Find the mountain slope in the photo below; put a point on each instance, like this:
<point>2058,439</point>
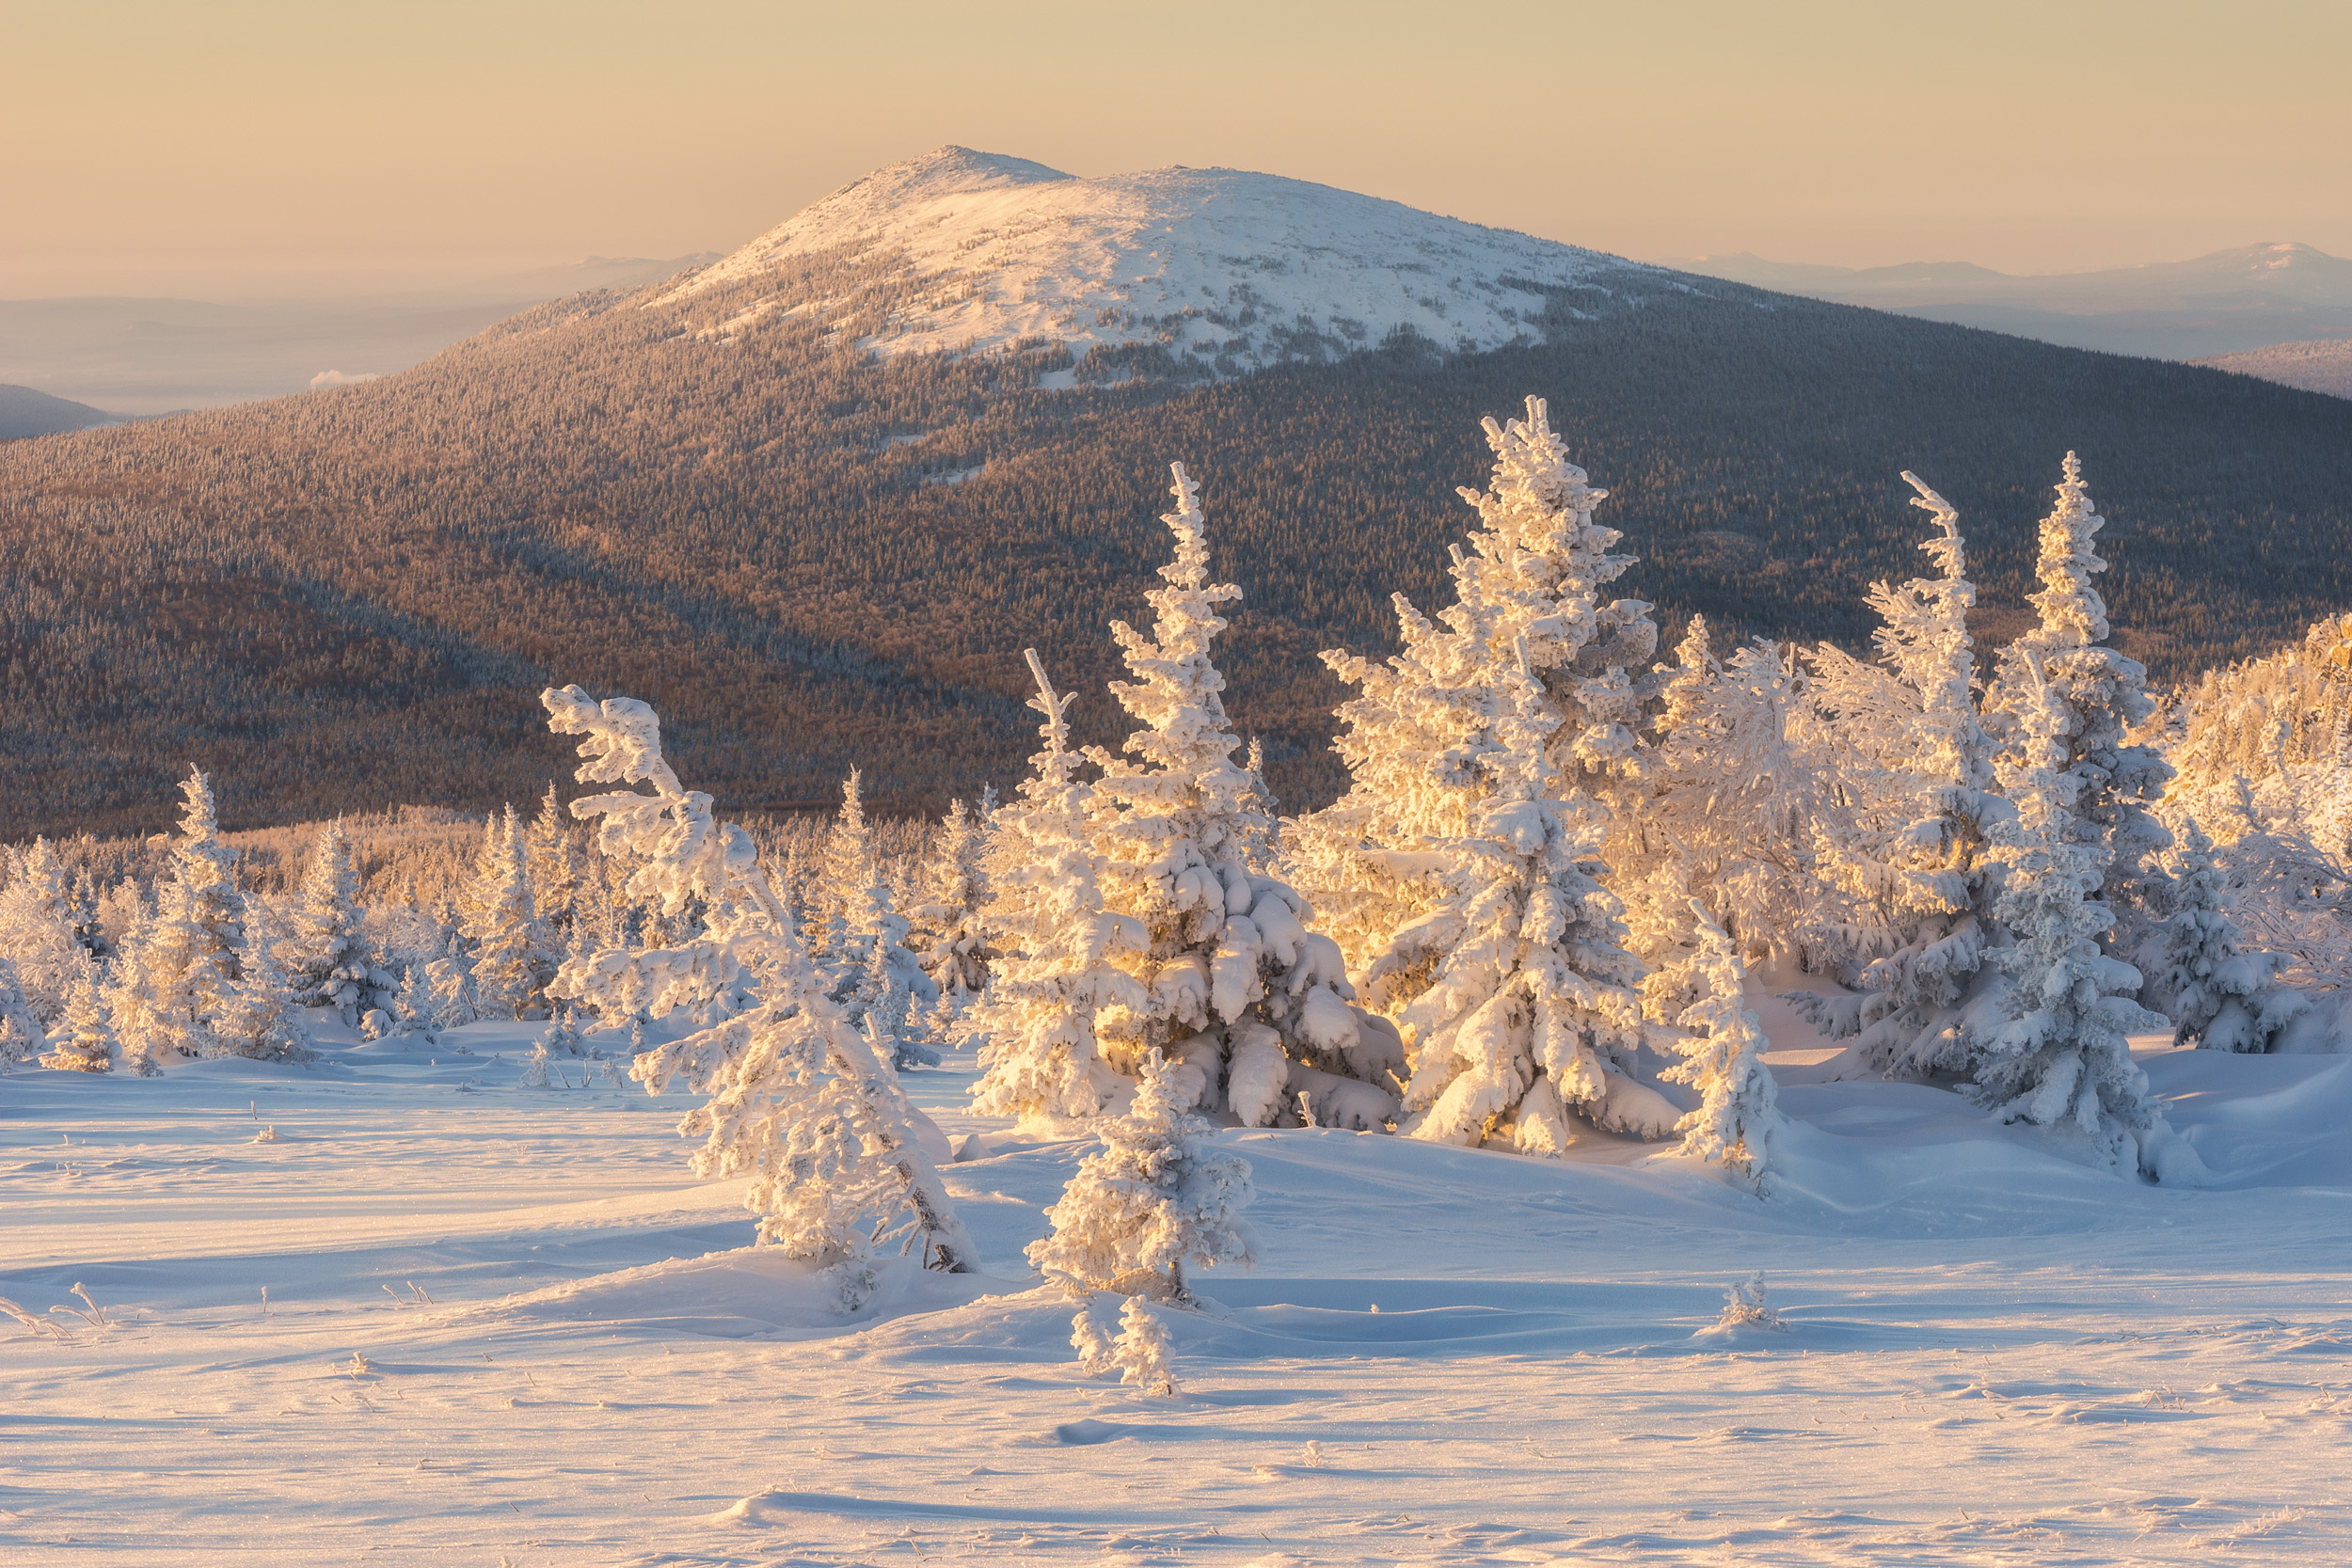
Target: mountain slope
<point>810,556</point>
<point>2325,366</point>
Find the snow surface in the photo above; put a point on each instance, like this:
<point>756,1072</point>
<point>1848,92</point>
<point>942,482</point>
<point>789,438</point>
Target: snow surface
<point>1449,1357</point>
<point>1007,249</point>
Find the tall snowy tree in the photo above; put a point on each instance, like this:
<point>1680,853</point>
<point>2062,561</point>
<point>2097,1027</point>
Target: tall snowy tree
<point>1532,1009</point>
<point>1054,975</point>
<point>19,1033</point>
<point>1532,577</point>
<point>1154,1200</point>
<point>948,920</point>
<point>1236,990</point>
<point>502,926</point>
<point>262,1017</point>
<point>2221,995</point>
<point>2105,695</point>
<point>554,872</point>
<point>322,951</point>
<point>2050,1038</point>
<point>1723,1058</point>
<point>797,1099</point>
<point>85,1041</point>
<point>40,928</point>
<point>176,978</point>
<point>1914,860</point>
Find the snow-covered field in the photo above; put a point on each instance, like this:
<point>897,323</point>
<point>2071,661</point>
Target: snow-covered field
<point>564,1355</point>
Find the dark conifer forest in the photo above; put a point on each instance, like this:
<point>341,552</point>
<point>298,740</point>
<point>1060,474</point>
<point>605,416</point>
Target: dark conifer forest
<point>808,558</point>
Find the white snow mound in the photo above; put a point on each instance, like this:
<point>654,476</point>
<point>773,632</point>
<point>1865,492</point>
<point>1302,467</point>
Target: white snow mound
<point>1003,249</point>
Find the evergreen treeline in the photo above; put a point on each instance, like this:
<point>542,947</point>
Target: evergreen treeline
<point>808,559</point>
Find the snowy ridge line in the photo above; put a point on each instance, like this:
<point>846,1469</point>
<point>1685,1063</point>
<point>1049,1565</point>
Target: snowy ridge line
<point>1230,270</point>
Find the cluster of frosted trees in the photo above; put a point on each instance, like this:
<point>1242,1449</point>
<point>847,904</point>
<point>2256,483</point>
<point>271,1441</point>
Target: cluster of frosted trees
<point>1533,915</point>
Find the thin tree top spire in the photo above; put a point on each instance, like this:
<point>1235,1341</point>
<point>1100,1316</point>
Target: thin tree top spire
<point>1947,548</point>
<point>2073,614</point>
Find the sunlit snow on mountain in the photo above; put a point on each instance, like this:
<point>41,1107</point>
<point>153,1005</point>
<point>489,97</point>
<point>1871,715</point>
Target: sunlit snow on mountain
<point>1235,269</point>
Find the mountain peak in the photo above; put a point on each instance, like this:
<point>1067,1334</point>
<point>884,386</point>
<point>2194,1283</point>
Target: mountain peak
<point>1225,270</point>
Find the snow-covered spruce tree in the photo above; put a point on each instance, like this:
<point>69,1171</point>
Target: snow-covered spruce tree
<point>175,979</point>
<point>264,1017</point>
<point>1912,860</point>
<point>449,984</point>
<point>40,928</point>
<point>86,1037</point>
<point>19,1033</point>
<point>798,1099</point>
<point>2049,1036</point>
<point>1236,990</point>
<point>2220,995</point>
<point>2104,695</point>
<point>842,890</point>
<point>323,952</point>
<point>1373,861</point>
<point>1532,1009</point>
<point>1723,1058</point>
<point>1152,1202</point>
<point>1054,974</point>
<point>1532,576</point>
<point>948,921</point>
<point>1736,801</point>
<point>503,927</point>
<point>554,871</point>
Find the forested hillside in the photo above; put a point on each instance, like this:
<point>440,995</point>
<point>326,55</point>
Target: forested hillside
<point>809,558</point>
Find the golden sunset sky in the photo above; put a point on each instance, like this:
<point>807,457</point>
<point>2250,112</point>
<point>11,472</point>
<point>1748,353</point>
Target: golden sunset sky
<point>246,147</point>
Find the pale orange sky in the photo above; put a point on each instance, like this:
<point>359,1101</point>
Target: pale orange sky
<point>239,147</point>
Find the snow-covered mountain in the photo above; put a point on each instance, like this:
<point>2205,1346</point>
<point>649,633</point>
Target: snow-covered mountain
<point>1233,269</point>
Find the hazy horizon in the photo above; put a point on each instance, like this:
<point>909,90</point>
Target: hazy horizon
<point>264,149</point>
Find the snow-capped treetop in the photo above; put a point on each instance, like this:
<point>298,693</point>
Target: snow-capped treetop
<point>1534,576</point>
<point>1238,269</point>
<point>2073,614</point>
<point>680,851</point>
<point>1923,638</point>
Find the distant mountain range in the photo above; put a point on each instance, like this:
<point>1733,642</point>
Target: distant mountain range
<point>814,499</point>
<point>161,355</point>
<point>2225,303</point>
<point>26,412</point>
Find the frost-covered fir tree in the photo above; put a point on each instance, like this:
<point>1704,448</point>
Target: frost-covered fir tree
<point>1138,1351</point>
<point>501,924</point>
<point>842,891</point>
<point>1254,1008</point>
<point>2104,695</point>
<point>322,951</point>
<point>1734,806</point>
<point>176,978</point>
<point>1723,1058</point>
<point>40,928</point>
<point>798,1099</point>
<point>1154,1201</point>
<point>2220,995</point>
<point>86,1037</point>
<point>1912,860</point>
<point>1532,576</point>
<point>948,920</point>
<point>554,872</point>
<point>263,1019</point>
<point>1055,974</point>
<point>449,983</point>
<point>19,1033</point>
<point>2050,1036</point>
<point>1532,1009</point>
